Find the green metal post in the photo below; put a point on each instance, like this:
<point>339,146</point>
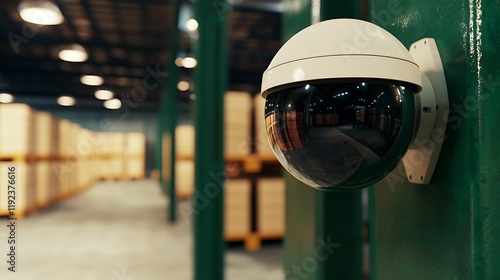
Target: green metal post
<point>211,83</point>
<point>316,220</point>
<point>450,228</point>
<point>172,108</point>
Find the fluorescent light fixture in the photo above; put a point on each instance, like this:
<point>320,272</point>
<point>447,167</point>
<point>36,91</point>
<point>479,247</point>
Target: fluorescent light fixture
<point>113,104</point>
<point>103,94</point>
<point>6,98</point>
<point>73,53</point>
<point>40,12</point>
<point>189,62</point>
<point>183,86</point>
<point>65,100</point>
<point>92,80</point>
<point>191,25</point>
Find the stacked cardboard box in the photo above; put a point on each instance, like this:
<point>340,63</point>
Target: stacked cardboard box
<point>271,206</point>
<point>17,146</point>
<point>55,159</point>
<point>45,155</point>
<point>184,163</point>
<point>237,208</point>
<point>237,124</point>
<point>135,155</point>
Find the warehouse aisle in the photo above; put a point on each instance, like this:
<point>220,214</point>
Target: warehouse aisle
<point>118,231</point>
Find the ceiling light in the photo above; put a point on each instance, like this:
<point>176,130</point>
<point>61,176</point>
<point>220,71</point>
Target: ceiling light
<point>66,100</point>
<point>178,62</point>
<point>113,104</point>
<point>6,98</point>
<point>92,80</point>
<point>191,25</point>
<point>103,94</point>
<point>73,53</point>
<point>40,12</point>
<point>189,62</point>
<point>183,86</point>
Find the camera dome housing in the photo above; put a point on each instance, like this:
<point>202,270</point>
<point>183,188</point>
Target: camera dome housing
<point>340,103</point>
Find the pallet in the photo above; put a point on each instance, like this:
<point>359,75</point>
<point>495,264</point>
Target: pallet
<point>253,241</point>
<point>17,158</point>
<point>252,163</point>
<point>19,214</point>
<point>112,178</point>
<point>184,196</point>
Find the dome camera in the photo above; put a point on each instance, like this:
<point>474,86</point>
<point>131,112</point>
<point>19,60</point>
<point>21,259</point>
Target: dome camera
<point>346,101</point>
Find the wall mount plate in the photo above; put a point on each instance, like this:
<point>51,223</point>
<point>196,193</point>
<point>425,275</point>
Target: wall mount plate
<point>423,153</point>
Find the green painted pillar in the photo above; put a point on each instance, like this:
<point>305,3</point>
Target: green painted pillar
<point>172,109</point>
<point>211,83</point>
<point>323,229</point>
<point>168,110</point>
<point>449,229</point>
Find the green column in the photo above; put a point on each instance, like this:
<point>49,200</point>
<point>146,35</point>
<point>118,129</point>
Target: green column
<point>210,81</point>
<point>323,229</point>
<point>172,108</point>
<point>449,229</point>
<point>168,110</point>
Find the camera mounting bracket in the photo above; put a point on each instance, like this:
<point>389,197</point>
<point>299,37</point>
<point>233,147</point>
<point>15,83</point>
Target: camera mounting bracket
<point>432,114</point>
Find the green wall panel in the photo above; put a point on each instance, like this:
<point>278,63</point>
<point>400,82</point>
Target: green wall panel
<point>448,229</point>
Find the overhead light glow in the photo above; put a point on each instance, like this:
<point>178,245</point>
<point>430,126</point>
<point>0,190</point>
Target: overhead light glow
<point>192,96</point>
<point>73,53</point>
<point>113,104</point>
<point>178,62</point>
<point>103,94</point>
<point>6,98</point>
<point>183,86</point>
<point>66,100</point>
<point>189,62</point>
<point>192,25</point>
<point>92,80</point>
<point>40,12</point>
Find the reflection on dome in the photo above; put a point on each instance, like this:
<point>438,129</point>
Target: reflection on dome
<point>336,134</point>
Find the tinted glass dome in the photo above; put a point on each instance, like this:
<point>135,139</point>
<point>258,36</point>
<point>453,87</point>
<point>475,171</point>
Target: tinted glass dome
<point>340,135</point>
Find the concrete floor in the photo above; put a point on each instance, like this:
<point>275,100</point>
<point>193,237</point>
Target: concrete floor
<point>118,231</point>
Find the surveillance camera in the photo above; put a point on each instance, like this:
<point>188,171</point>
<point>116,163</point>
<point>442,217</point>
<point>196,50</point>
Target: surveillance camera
<point>346,101</point>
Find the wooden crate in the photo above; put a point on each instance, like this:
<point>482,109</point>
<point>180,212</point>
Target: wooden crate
<point>135,144</point>
<point>237,209</point>
<point>184,178</point>
<point>271,206</point>
<point>26,197</point>
<point>237,124</point>
<point>17,141</point>
<point>184,142</point>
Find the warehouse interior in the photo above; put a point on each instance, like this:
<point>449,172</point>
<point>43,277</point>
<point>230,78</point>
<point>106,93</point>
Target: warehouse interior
<point>133,145</point>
